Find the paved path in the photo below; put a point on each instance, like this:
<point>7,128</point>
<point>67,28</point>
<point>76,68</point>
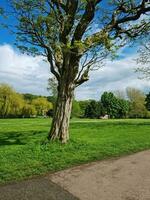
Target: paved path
<point>126,178</point>
<point>35,189</point>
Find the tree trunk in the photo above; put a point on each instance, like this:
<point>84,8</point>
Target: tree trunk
<point>60,123</point>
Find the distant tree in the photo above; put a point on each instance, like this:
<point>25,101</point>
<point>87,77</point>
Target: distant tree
<point>17,104</point>
<point>109,102</point>
<point>30,97</point>
<point>76,110</point>
<point>92,110</point>
<point>120,94</point>
<point>28,110</point>
<point>41,105</point>
<point>147,100</point>
<point>64,32</point>
<point>83,104</point>
<point>114,106</point>
<point>6,96</point>
<point>122,108</point>
<point>52,87</point>
<point>11,103</point>
<point>143,59</point>
<point>137,103</point>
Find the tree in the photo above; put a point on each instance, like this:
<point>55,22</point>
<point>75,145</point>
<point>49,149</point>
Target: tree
<point>6,96</point>
<point>41,105</point>
<point>113,106</point>
<point>76,110</point>
<point>109,102</point>
<point>137,103</point>
<point>123,108</point>
<point>28,110</point>
<point>92,110</point>
<point>17,104</point>
<point>52,87</point>
<point>63,31</point>
<point>83,105</point>
<point>147,100</point>
<point>144,60</point>
<point>11,103</point>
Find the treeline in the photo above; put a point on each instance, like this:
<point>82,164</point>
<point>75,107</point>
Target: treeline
<point>130,104</point>
<point>13,104</point>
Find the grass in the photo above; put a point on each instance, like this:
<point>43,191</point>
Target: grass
<point>23,155</point>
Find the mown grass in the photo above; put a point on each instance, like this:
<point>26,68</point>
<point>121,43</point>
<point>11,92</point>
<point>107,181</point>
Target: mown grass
<point>23,153</point>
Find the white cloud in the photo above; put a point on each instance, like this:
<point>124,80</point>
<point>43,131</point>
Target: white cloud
<point>116,75</point>
<point>30,74</point>
<point>25,73</point>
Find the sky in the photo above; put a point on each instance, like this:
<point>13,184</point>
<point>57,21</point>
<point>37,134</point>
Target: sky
<point>29,74</point>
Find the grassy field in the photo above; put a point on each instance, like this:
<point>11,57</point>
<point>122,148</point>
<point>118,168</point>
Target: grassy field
<point>23,154</point>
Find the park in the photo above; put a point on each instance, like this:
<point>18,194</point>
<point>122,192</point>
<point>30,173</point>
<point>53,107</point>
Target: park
<point>74,100</point>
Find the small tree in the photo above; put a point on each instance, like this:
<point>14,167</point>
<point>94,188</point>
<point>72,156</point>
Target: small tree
<point>73,35</point>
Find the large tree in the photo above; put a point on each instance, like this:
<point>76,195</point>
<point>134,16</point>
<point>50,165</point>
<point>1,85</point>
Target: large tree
<point>73,35</point>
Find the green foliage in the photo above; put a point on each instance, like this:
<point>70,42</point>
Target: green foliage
<point>76,110</point>
<point>137,103</point>
<point>29,97</point>
<point>92,110</point>
<point>42,105</point>
<point>147,100</point>
<point>29,110</point>
<point>113,106</point>
<point>22,155</point>
<point>83,105</point>
<point>13,104</point>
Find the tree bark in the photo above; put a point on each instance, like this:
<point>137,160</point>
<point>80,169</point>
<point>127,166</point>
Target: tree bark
<point>60,123</point>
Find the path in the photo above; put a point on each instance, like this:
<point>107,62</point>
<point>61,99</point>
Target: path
<point>126,178</point>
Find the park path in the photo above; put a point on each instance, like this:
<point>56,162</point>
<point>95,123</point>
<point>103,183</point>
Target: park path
<point>126,178</point>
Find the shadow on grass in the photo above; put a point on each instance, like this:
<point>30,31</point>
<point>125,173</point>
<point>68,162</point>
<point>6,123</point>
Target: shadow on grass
<point>17,138</point>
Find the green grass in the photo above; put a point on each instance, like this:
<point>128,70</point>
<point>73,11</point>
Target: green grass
<point>23,155</point>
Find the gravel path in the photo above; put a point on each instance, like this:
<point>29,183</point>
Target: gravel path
<point>126,178</point>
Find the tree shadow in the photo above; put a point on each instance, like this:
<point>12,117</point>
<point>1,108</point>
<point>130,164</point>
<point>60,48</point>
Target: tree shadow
<point>17,138</point>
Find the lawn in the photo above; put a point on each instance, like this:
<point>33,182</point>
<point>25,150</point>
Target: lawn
<point>23,152</point>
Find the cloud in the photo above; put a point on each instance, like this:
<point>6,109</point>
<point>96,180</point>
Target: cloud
<point>29,74</point>
<point>115,75</point>
<point>25,73</point>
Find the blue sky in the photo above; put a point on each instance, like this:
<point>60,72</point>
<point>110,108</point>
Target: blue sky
<point>29,74</point>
